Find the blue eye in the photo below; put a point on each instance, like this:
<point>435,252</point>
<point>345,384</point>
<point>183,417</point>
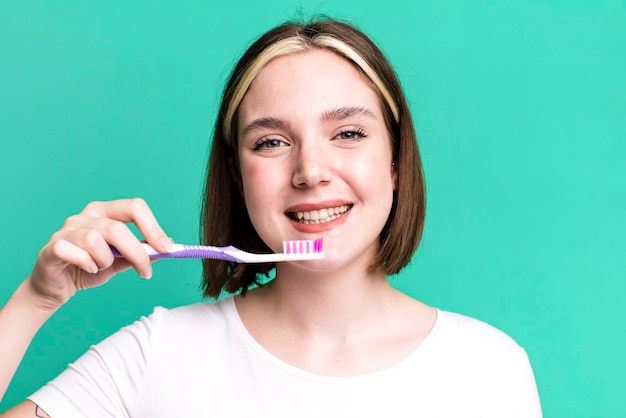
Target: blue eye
<point>351,134</point>
<point>268,143</point>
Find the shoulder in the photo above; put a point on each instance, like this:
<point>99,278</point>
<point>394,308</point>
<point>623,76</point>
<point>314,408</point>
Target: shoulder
<point>472,341</point>
<point>172,336</point>
<point>190,317</point>
<point>170,324</point>
<point>200,310</point>
<point>479,366</point>
<point>473,331</point>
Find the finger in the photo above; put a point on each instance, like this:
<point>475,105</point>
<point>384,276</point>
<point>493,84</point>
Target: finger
<point>121,264</point>
<point>95,244</point>
<point>63,253</point>
<point>134,210</point>
<point>94,236</point>
<point>121,237</point>
<point>58,255</point>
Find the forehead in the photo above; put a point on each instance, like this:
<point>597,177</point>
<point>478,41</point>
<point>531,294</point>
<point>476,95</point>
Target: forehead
<point>310,81</point>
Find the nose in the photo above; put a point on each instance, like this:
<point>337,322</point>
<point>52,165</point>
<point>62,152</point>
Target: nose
<point>311,168</point>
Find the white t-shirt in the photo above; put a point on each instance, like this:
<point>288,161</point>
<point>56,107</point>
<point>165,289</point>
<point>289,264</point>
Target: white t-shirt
<point>200,361</point>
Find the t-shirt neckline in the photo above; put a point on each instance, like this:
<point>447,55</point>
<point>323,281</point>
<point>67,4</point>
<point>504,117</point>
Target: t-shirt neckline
<point>234,320</point>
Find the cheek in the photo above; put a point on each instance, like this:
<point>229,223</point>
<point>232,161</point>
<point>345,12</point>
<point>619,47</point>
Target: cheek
<point>380,181</point>
<point>252,181</point>
<point>260,188</point>
<point>375,171</point>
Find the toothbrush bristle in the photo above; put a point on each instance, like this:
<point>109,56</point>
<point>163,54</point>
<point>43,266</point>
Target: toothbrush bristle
<point>302,246</point>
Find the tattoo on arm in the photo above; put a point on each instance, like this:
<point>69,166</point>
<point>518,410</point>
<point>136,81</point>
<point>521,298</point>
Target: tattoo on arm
<point>40,413</point>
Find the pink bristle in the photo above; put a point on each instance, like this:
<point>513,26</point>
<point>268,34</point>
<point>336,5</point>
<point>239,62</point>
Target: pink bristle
<point>303,246</point>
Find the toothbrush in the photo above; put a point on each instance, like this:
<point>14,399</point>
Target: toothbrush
<point>292,251</point>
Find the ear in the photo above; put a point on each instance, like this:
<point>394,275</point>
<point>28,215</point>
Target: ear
<point>394,176</point>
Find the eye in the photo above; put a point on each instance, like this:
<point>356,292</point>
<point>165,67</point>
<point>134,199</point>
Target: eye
<point>268,143</point>
<point>351,134</point>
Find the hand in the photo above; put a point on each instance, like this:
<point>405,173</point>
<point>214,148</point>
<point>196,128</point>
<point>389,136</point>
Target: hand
<point>78,255</point>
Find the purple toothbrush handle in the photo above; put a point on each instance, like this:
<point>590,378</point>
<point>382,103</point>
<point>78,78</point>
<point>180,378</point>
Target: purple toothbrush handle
<point>190,253</point>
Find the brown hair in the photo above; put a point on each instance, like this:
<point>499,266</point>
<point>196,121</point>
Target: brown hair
<point>224,219</point>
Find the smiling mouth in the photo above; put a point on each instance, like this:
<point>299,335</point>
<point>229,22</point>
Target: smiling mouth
<point>319,216</point>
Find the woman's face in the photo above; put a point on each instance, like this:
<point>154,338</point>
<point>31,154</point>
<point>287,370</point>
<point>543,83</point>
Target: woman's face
<point>315,157</point>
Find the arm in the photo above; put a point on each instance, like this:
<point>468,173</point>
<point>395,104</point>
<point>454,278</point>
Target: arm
<point>20,319</point>
<point>76,257</point>
<point>26,409</point>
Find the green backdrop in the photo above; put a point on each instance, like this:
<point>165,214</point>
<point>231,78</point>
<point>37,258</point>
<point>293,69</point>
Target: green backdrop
<point>519,106</point>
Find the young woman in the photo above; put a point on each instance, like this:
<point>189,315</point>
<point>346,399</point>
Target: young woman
<point>314,139</point>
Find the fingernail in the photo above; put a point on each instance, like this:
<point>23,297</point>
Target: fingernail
<point>166,244</point>
<point>93,268</point>
<point>146,274</point>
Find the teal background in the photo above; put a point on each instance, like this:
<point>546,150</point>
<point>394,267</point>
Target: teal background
<point>519,107</point>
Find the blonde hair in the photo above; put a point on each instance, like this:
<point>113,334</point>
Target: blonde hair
<point>294,44</point>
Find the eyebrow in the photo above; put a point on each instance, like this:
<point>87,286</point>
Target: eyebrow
<point>346,112</point>
<point>337,114</point>
<point>264,123</point>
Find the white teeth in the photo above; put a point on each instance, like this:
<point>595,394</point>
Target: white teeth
<point>322,215</point>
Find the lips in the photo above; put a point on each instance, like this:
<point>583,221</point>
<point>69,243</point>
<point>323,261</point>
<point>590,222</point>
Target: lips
<point>319,216</point>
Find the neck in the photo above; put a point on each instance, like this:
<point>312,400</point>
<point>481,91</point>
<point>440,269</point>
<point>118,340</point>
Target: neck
<point>344,322</point>
<point>326,302</point>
